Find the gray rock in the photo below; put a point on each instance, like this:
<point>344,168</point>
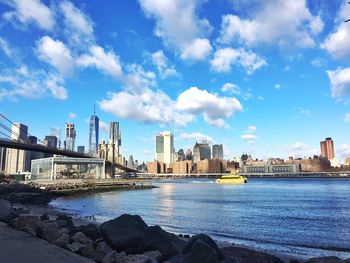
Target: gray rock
<point>135,259</point>
<point>166,243</point>
<point>81,238</point>
<point>92,231</point>
<point>65,221</point>
<point>324,260</point>
<point>243,255</point>
<point>124,232</point>
<point>30,221</point>
<point>114,257</point>
<point>5,210</point>
<point>75,247</point>
<point>155,256</point>
<point>49,231</point>
<point>201,252</point>
<point>206,240</point>
<point>16,211</point>
<point>64,231</point>
<point>103,247</point>
<point>62,241</point>
<point>89,251</point>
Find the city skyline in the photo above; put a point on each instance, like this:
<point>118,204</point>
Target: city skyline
<point>271,97</point>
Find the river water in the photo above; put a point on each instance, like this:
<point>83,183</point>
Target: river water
<point>303,217</point>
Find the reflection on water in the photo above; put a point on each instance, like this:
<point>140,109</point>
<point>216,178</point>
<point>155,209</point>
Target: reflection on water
<point>290,213</point>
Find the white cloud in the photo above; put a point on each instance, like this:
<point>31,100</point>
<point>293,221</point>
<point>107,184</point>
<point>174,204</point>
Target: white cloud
<point>197,136</point>
<point>72,115</point>
<point>304,112</point>
<point>213,107</point>
<point>251,129</point>
<point>337,43</point>
<point>33,84</point>
<point>161,62</point>
<point>277,86</point>
<point>55,53</point>
<point>179,26</point>
<point>5,47</point>
<point>137,79</point>
<point>78,25</point>
<point>343,151</point>
<point>347,117</point>
<point>147,106</point>
<point>249,137</point>
<point>269,23</point>
<point>231,87</point>
<point>107,62</point>
<point>317,62</point>
<point>340,82</point>
<point>225,58</point>
<point>30,11</point>
<point>299,150</point>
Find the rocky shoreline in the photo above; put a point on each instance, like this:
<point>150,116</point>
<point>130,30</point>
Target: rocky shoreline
<point>126,238</point>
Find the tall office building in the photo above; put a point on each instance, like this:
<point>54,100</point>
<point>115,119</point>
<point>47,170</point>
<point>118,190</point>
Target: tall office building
<point>165,151</point>
<point>56,132</point>
<point>70,137</point>
<point>218,151</point>
<point>51,141</point>
<point>93,134</point>
<point>18,160</point>
<point>201,151</point>
<point>115,137</point>
<point>327,148</point>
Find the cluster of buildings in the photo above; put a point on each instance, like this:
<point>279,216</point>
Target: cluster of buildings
<point>202,159</point>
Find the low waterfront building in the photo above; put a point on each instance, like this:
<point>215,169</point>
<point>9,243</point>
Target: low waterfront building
<point>181,167</point>
<point>271,168</point>
<point>156,167</point>
<point>210,166</point>
<point>56,168</point>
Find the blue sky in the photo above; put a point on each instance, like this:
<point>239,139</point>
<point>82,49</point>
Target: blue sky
<point>271,78</point>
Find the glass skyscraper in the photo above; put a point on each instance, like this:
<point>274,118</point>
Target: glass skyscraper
<point>93,134</point>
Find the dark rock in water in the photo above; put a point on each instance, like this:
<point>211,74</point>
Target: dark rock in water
<point>92,231</point>
<point>244,255</point>
<point>201,252</point>
<point>346,260</point>
<point>206,240</point>
<point>5,210</point>
<point>124,232</point>
<point>49,231</point>
<point>166,243</point>
<point>324,260</point>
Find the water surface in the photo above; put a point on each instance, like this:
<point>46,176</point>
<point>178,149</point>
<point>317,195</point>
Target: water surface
<point>309,217</point>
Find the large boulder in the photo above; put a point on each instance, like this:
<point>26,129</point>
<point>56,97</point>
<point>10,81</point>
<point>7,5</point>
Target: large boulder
<point>324,260</point>
<point>201,252</point>
<point>81,238</point>
<point>244,255</point>
<point>28,222</point>
<point>206,240</point>
<point>49,231</point>
<point>92,231</point>
<point>166,243</point>
<point>124,232</point>
<point>64,221</point>
<point>135,259</point>
<point>62,241</point>
<point>5,210</point>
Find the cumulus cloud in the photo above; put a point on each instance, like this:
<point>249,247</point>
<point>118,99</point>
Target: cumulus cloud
<point>251,129</point>
<point>231,87</point>
<point>337,43</point>
<point>213,107</point>
<point>248,137</point>
<point>269,23</point>
<point>225,58</point>
<point>343,151</point>
<point>197,136</point>
<point>249,134</point>
<point>5,47</point>
<point>78,25</point>
<point>108,62</point>
<point>162,64</point>
<point>72,115</point>
<point>347,117</point>
<point>30,11</point>
<point>340,82</point>
<point>179,26</point>
<point>55,53</point>
<point>33,84</point>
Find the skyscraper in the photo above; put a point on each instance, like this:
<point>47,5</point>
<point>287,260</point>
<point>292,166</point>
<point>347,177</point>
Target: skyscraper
<point>51,141</point>
<point>201,151</point>
<point>70,137</point>
<point>327,148</point>
<point>18,160</point>
<point>93,134</point>
<point>165,151</point>
<point>218,151</point>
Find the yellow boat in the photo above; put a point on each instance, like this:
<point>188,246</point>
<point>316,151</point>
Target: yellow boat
<point>232,179</point>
